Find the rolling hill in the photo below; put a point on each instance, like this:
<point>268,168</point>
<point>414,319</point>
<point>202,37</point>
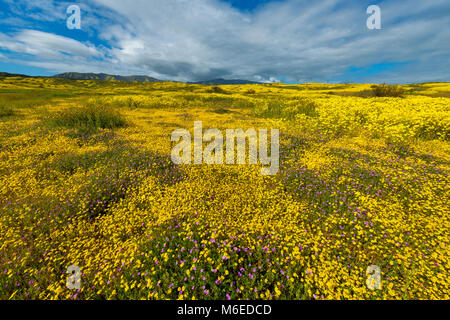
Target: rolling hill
<point>135,78</point>
<point>103,76</point>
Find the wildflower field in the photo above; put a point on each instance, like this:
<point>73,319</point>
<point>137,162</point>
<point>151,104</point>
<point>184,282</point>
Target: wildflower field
<point>86,179</point>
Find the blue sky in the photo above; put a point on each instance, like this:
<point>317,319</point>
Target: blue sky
<point>248,5</point>
<point>293,41</point>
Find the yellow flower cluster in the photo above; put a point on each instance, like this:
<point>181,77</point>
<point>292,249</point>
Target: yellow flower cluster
<point>362,181</point>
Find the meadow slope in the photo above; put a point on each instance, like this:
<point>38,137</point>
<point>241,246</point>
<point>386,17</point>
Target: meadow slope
<point>86,179</point>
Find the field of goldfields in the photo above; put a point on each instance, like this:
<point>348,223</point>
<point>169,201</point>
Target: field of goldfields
<point>86,179</point>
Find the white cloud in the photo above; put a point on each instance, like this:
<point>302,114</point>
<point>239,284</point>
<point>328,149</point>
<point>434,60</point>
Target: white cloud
<point>47,45</point>
<point>43,10</point>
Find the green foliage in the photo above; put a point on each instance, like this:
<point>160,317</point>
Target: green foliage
<point>220,110</point>
<point>5,111</point>
<point>91,116</point>
<point>130,103</point>
<point>287,109</point>
<point>216,89</point>
<point>385,90</point>
<point>302,105</point>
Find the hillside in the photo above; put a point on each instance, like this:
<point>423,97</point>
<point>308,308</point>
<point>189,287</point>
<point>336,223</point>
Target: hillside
<point>103,76</point>
<point>7,75</point>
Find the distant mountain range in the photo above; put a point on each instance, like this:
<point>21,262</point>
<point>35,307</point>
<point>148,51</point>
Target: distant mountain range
<point>103,76</point>
<point>108,77</point>
<point>6,74</point>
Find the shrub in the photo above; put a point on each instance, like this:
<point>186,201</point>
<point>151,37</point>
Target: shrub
<point>274,109</point>
<point>133,103</point>
<point>216,89</point>
<point>287,109</point>
<point>221,110</point>
<point>90,116</point>
<point>385,90</point>
<point>304,106</point>
<point>5,111</point>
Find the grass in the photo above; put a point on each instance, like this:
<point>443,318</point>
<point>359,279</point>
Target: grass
<point>220,110</point>
<point>6,111</point>
<point>89,117</point>
<point>277,108</point>
<point>362,181</point>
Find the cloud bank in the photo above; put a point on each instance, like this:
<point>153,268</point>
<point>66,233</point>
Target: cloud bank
<point>190,40</point>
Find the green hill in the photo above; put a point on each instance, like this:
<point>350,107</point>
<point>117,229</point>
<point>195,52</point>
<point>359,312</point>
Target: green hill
<point>103,76</point>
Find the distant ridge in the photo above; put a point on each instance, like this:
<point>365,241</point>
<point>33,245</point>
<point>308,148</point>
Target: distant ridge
<point>7,75</point>
<point>109,77</point>
<point>103,76</point>
<point>224,82</point>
